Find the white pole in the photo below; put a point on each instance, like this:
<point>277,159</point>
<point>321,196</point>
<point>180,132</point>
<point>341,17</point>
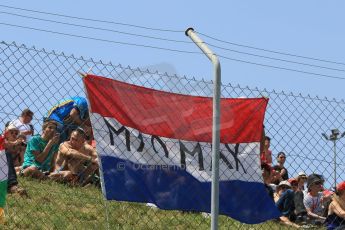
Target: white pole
<point>215,128</point>
<point>335,162</point>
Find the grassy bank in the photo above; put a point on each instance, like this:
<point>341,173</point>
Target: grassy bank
<point>56,206</point>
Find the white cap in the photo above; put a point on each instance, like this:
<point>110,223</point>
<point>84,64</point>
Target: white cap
<point>284,182</point>
<point>300,174</point>
<point>11,127</point>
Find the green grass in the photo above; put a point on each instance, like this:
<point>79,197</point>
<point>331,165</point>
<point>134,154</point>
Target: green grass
<point>56,206</point>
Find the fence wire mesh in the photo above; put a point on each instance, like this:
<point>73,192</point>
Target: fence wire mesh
<point>37,79</point>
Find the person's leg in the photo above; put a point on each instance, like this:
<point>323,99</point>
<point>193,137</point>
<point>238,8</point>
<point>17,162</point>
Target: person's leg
<point>86,175</point>
<point>300,210</point>
<point>34,172</point>
<point>285,203</point>
<point>62,176</point>
<point>12,176</point>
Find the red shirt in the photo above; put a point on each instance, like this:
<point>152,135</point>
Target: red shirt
<point>264,159</point>
<point>2,142</point>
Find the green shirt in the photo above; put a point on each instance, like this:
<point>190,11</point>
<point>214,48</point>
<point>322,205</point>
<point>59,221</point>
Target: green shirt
<point>38,144</point>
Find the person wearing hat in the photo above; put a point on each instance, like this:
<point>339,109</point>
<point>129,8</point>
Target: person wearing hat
<point>301,179</point>
<point>314,200</point>
<point>284,199</point>
<point>69,114</point>
<point>336,211</point>
<point>300,211</point>
<point>294,184</point>
<point>11,143</point>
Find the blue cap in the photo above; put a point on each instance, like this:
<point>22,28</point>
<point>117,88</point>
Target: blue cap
<point>81,104</point>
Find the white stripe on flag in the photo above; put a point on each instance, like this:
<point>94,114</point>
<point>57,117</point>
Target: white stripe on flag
<point>243,164</point>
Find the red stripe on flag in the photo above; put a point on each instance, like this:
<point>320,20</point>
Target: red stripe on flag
<point>174,115</point>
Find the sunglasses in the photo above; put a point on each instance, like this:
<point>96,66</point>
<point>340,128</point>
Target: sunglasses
<point>13,132</point>
<point>318,183</point>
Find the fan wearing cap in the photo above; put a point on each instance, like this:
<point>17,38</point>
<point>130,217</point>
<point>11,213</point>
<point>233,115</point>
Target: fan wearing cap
<point>15,143</point>
<point>284,199</point>
<point>69,114</point>
<point>336,211</point>
<point>12,144</point>
<point>300,211</point>
<point>294,184</point>
<point>301,179</point>
<point>313,200</point>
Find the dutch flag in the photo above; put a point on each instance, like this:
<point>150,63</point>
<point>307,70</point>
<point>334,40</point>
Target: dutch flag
<point>155,147</point>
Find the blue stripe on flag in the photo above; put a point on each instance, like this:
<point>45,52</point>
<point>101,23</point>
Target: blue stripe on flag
<point>174,188</point>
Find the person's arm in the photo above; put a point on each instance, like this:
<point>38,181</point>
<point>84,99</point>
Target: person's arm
<point>26,132</point>
<point>93,154</point>
<point>311,214</point>
<point>41,156</point>
<point>58,159</point>
<point>282,172</point>
<point>75,154</point>
<point>336,208</point>
<point>308,204</point>
<point>269,157</point>
<point>12,145</point>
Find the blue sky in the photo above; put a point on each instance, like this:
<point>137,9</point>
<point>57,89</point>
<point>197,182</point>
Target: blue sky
<point>308,28</point>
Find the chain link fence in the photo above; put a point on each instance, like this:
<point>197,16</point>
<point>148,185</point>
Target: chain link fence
<point>38,79</point>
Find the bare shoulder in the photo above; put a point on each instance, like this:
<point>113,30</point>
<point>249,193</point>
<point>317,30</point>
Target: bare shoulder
<point>89,149</point>
<point>64,146</point>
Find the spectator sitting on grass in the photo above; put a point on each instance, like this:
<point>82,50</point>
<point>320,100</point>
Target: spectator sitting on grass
<point>301,179</point>
<point>284,199</point>
<point>76,160</point>
<point>20,150</point>
<point>69,114</point>
<point>12,144</point>
<point>294,184</point>
<point>313,201</point>
<point>40,151</point>
<point>300,210</point>
<point>23,124</point>
<point>336,211</point>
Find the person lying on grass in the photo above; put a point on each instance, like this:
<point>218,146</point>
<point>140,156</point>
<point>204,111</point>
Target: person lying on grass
<point>76,160</point>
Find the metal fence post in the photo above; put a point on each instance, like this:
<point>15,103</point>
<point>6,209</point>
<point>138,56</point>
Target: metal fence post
<point>216,125</point>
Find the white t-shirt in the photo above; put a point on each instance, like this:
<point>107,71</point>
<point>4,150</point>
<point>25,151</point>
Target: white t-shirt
<point>22,127</point>
<point>314,203</point>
